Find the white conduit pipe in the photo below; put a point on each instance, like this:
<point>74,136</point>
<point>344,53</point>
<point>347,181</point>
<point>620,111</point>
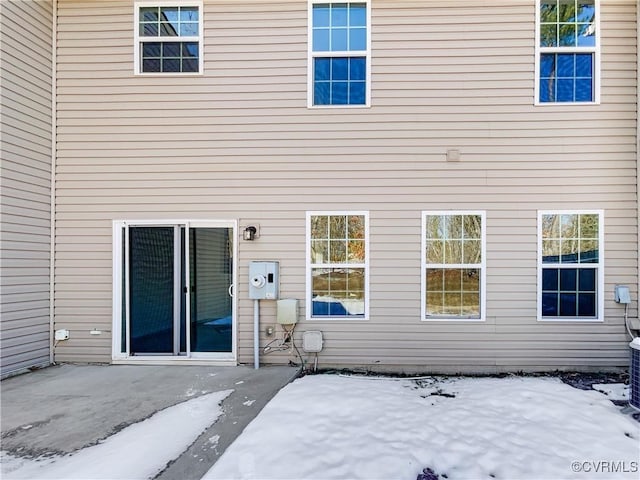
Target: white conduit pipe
<point>256,334</point>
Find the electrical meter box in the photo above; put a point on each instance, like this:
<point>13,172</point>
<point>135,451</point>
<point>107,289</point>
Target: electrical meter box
<point>264,280</point>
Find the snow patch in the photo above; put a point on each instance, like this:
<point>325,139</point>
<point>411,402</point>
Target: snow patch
<point>615,391</point>
<point>505,428</point>
<point>140,451</point>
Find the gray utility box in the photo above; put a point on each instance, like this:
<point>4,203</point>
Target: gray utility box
<point>264,280</point>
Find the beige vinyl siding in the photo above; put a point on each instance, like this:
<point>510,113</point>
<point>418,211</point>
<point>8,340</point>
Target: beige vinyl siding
<point>25,182</point>
<point>239,143</point>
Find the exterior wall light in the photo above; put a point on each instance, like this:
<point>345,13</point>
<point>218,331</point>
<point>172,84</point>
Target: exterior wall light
<point>249,233</point>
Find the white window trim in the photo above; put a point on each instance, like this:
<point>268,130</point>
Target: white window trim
<point>424,265</point>
<point>118,252</point>
<point>311,55</point>
<point>309,267</point>
<point>599,266</point>
<point>596,67</point>
<point>138,39</point>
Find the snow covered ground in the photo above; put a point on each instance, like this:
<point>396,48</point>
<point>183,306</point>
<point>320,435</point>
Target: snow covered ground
<point>337,427</point>
<point>140,451</point>
<point>325,427</point>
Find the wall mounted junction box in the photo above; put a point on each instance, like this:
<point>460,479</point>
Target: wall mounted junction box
<point>264,280</point>
<point>287,311</point>
<point>312,341</point>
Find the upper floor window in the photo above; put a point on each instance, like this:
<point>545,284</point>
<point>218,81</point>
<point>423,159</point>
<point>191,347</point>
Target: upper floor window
<point>570,266</point>
<point>168,38</point>
<point>453,266</point>
<point>339,53</point>
<point>567,51</point>
<point>337,265</point>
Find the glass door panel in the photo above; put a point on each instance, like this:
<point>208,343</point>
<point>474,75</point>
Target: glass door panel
<point>151,290</point>
<point>211,276</point>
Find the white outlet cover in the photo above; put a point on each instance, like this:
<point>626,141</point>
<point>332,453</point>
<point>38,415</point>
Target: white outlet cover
<point>62,335</point>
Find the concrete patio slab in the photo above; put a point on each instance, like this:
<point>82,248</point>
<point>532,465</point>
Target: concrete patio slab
<point>64,408</point>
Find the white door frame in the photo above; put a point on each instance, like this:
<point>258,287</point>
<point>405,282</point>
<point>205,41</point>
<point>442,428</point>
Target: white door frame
<point>120,251</point>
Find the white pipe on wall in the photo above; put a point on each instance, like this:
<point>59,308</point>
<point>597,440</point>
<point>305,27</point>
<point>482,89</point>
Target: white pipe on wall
<point>256,334</point>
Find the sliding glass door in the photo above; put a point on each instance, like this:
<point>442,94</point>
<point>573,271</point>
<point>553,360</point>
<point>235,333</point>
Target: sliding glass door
<point>177,287</point>
<point>210,271</point>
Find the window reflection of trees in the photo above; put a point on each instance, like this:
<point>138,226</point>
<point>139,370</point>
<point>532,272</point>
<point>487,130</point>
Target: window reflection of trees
<point>567,23</point>
<point>337,256</point>
<point>454,239</point>
<point>453,257</point>
<point>570,238</point>
<point>337,239</point>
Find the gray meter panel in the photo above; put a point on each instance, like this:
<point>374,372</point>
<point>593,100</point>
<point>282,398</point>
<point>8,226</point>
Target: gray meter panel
<point>264,280</point>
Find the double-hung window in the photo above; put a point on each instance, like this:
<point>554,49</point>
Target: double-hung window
<point>168,37</point>
<point>339,59</point>
<point>570,265</point>
<point>567,51</point>
<point>337,265</point>
<point>453,266</point>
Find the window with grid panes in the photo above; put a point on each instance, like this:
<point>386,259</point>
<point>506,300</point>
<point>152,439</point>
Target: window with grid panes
<point>567,51</point>
<point>337,265</point>
<point>453,265</point>
<point>339,53</point>
<point>570,265</point>
<point>168,38</point>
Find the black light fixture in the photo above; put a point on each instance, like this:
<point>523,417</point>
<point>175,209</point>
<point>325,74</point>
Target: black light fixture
<point>249,233</point>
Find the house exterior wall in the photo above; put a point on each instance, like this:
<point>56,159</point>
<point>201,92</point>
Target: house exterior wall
<point>239,142</point>
<point>25,182</point>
